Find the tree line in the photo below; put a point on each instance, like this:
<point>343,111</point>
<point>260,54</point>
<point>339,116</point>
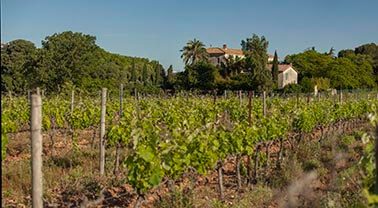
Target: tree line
<point>350,69</point>
<point>70,60</point>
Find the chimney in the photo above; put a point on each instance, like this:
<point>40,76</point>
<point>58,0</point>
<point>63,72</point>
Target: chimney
<point>225,46</point>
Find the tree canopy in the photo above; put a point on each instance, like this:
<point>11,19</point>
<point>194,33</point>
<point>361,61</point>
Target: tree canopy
<point>194,51</point>
<point>72,58</point>
<point>348,71</point>
<point>255,49</point>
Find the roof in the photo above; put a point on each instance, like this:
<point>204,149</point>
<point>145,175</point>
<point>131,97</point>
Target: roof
<point>229,51</point>
<point>281,67</point>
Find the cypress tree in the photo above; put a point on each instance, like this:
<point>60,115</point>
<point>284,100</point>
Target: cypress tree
<point>133,72</point>
<point>145,74</point>
<point>275,68</point>
<point>170,78</point>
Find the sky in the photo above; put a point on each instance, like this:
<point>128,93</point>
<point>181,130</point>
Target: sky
<point>159,29</point>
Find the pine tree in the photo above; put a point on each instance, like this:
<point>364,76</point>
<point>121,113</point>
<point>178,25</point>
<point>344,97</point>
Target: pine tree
<point>275,68</point>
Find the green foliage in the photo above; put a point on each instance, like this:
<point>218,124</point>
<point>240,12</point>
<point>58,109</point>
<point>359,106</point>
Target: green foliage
<point>345,53</point>
<point>202,75</point>
<point>194,52</point>
<point>232,66</point>
<point>255,49</point>
<point>292,88</point>
<point>145,77</point>
<point>348,71</point>
<point>371,50</point>
<point>275,69</point>
<point>308,84</point>
<point>170,81</point>
<point>166,137</point>
<point>17,59</point>
<point>72,57</point>
<point>309,63</point>
<point>342,74</point>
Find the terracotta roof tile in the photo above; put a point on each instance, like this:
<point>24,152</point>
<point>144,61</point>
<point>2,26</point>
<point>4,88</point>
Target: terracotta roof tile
<point>214,51</point>
<point>229,51</point>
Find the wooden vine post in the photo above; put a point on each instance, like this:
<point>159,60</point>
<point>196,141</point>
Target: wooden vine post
<point>214,96</point>
<point>72,101</point>
<point>29,95</point>
<point>267,153</point>
<point>102,131</point>
<point>256,163</point>
<point>136,94</point>
<point>238,156</point>
<point>264,103</point>
<point>250,95</point>
<point>72,109</point>
<point>10,95</point>
<point>280,153</point>
<point>118,148</point>
<point>36,150</point>
<point>376,159</point>
<point>220,180</point>
<point>267,144</point>
<point>240,98</point>
<point>249,165</point>
<point>238,175</point>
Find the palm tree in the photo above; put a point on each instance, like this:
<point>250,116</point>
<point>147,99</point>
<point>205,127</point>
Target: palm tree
<point>193,52</point>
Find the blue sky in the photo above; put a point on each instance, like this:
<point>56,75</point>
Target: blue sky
<point>159,29</point>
